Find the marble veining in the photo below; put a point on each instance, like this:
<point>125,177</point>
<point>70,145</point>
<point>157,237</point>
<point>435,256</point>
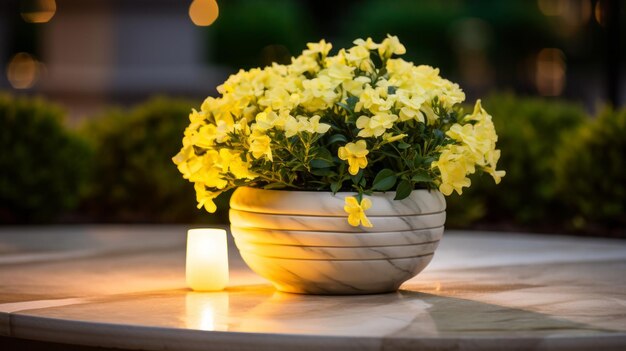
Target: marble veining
<point>314,203</point>
<point>337,253</point>
<point>334,224</point>
<point>483,291</point>
<point>334,239</point>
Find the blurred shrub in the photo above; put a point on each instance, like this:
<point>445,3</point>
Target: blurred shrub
<point>255,33</point>
<point>134,178</point>
<point>591,172</point>
<point>529,131</point>
<point>43,165</point>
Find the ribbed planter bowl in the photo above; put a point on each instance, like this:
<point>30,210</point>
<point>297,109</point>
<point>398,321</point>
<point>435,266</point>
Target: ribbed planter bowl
<point>302,241</point>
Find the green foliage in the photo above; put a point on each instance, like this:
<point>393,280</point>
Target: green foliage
<point>44,165</point>
<point>134,180</point>
<point>308,161</point>
<point>529,131</point>
<point>591,171</point>
<point>253,33</point>
<point>433,31</point>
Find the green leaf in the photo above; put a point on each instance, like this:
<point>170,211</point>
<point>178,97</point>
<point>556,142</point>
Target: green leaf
<point>403,190</point>
<point>422,177</point>
<point>357,178</point>
<point>335,186</point>
<point>322,172</point>
<point>320,163</point>
<point>337,138</point>
<point>274,186</point>
<point>384,180</point>
<point>351,101</point>
<point>324,154</point>
<point>418,160</point>
<point>402,145</point>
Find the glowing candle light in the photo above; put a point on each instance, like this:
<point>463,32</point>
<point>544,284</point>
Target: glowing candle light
<point>207,259</point>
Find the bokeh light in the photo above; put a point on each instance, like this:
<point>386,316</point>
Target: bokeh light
<point>37,11</point>
<point>550,72</point>
<point>23,71</point>
<point>203,12</point>
<point>599,13</point>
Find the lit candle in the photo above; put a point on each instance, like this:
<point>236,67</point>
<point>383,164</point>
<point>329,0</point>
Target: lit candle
<point>207,259</point>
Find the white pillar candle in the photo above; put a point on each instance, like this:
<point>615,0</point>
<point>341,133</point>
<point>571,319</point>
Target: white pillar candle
<point>207,259</point>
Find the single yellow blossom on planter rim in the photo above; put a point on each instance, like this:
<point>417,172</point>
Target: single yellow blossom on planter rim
<point>356,211</point>
<point>355,154</point>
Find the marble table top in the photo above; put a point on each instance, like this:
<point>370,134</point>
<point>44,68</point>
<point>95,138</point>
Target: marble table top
<point>124,287</point>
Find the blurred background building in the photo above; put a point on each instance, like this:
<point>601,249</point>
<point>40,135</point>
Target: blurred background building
<point>86,54</point>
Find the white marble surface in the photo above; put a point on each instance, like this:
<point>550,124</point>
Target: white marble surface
<point>254,220</point>
<point>124,287</point>
<point>314,203</point>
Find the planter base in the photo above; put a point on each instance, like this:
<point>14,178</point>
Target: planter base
<point>309,247</point>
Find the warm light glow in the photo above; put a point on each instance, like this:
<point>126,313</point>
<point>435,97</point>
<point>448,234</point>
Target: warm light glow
<point>203,12</point>
<point>552,7</point>
<point>550,72</point>
<point>38,11</point>
<point>23,71</point>
<point>207,259</point>
<point>207,311</point>
<point>599,13</point>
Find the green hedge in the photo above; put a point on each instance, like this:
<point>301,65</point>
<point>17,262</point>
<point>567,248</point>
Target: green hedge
<point>44,166</point>
<point>591,173</point>
<point>135,179</point>
<point>529,130</point>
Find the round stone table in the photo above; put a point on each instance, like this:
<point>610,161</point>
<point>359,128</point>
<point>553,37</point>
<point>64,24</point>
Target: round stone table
<point>123,287</point>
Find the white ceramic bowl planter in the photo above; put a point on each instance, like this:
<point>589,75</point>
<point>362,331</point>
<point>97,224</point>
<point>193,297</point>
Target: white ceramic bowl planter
<point>302,242</point>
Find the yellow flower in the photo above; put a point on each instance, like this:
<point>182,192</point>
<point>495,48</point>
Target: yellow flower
<point>391,46</point>
<point>205,197</point>
<point>411,107</point>
<point>376,125</point>
<point>318,94</point>
<point>314,125</point>
<point>356,211</point>
<point>368,43</point>
<point>302,64</point>
<point>466,135</point>
<point>204,169</point>
<point>231,162</point>
<point>338,72</point>
<point>371,100</point>
<point>359,57</point>
<point>267,120</point>
<point>453,167</point>
<point>390,138</point>
<point>260,145</point>
<point>205,136</point>
<point>492,158</point>
<point>322,48</point>
<point>355,154</point>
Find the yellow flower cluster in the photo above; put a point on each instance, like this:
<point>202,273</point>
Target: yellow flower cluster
<point>273,126</point>
<point>476,146</point>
